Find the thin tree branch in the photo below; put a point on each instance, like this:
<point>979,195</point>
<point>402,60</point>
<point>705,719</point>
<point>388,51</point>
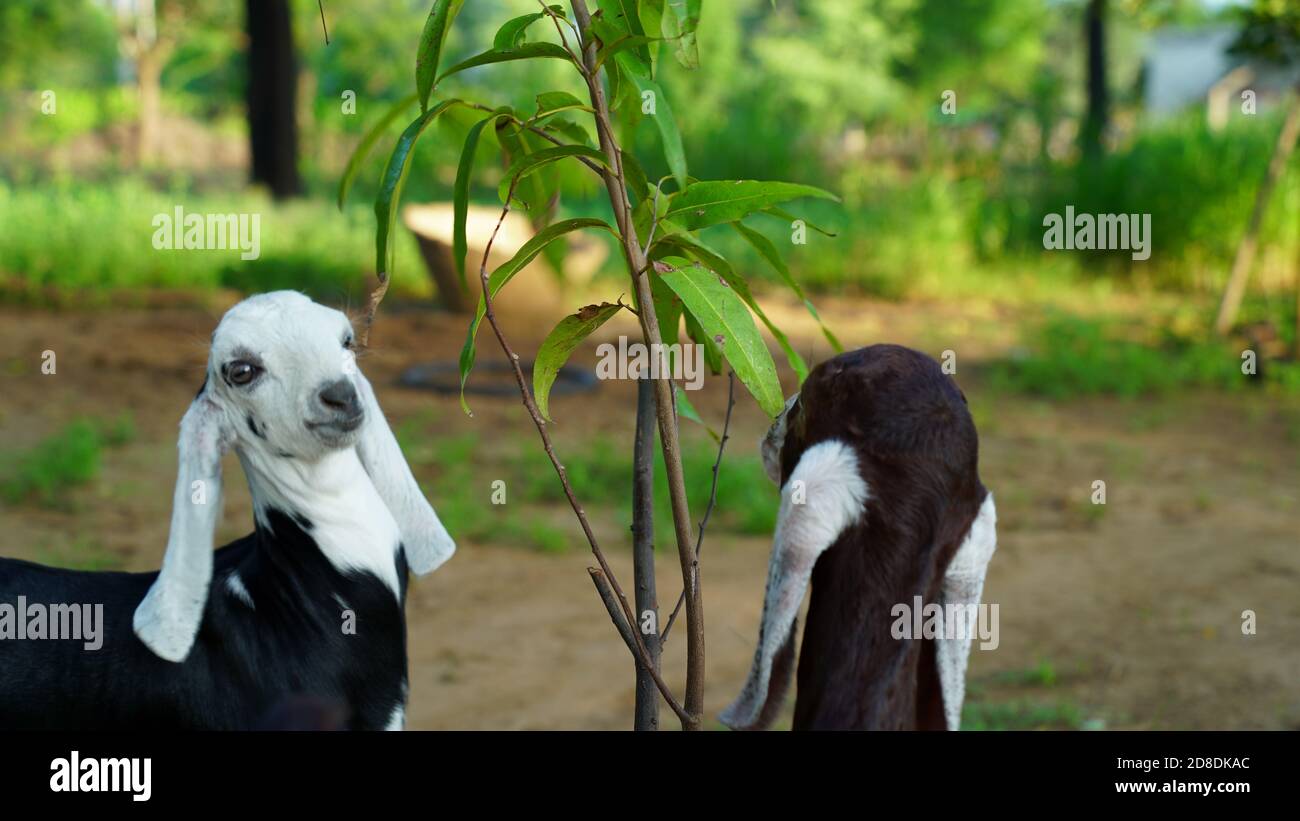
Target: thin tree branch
<point>616,185</point>
<point>637,647</point>
<point>713,498</point>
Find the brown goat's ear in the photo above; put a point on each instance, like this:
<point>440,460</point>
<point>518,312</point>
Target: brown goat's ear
<point>963,585</point>
<point>824,495</point>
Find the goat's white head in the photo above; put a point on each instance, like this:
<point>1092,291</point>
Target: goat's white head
<point>281,384</point>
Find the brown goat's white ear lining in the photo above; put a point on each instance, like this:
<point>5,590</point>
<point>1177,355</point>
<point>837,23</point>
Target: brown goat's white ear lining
<point>824,495</point>
<point>963,584</point>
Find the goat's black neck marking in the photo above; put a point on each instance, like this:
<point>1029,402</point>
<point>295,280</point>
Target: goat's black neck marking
<point>303,522</point>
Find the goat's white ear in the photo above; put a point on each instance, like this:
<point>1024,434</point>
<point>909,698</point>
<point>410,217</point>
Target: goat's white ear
<point>963,584</point>
<point>168,618</point>
<point>425,540</point>
<point>824,495</point>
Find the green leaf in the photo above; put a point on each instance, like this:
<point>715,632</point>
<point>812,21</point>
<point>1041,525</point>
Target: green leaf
<point>769,253</point>
<point>719,265</point>
<point>553,102</point>
<point>663,115</point>
<point>505,272</point>
<point>716,201</point>
<point>679,26</point>
<point>430,51</point>
<point>636,41</point>
<point>559,344</point>
<point>687,411</point>
<point>527,164</point>
<point>781,213</point>
<point>390,187</point>
<point>723,316</point>
<point>634,174</point>
<point>525,51</point>
<point>460,197</point>
<point>512,31</point>
<point>367,143</point>
<point>534,190</point>
<point>569,129</point>
<point>712,354</point>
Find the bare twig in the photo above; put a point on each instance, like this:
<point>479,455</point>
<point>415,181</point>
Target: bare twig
<point>637,647</point>
<point>564,41</point>
<point>713,498</point>
<point>644,587</point>
<point>616,185</point>
<point>594,166</point>
<point>376,296</point>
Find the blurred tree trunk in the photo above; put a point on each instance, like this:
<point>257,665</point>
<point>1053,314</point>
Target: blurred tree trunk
<point>272,94</point>
<point>1236,288</point>
<point>148,73</point>
<point>1098,117</point>
<point>147,38</point>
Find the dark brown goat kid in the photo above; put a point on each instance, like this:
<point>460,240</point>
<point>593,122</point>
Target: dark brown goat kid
<point>881,503</point>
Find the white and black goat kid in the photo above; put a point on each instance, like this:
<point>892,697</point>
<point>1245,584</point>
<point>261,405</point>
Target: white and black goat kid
<point>881,505</point>
<point>237,638</point>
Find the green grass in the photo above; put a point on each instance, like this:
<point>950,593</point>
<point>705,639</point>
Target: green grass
<point>76,242</point>
<point>600,473</point>
<point>46,473</point>
<point>1022,715</point>
<point>1071,356</point>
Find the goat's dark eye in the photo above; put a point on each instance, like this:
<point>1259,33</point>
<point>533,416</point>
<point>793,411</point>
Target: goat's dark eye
<point>347,342</point>
<point>241,373</point>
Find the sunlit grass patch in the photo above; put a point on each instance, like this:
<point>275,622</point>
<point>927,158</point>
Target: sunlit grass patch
<point>48,471</point>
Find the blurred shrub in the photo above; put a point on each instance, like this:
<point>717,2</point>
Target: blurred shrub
<point>90,238</point>
<point>1199,186</point>
<point>1069,356</point>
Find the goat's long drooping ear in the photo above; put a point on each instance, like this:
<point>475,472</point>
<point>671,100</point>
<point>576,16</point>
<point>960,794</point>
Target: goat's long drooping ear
<point>425,540</point>
<point>168,618</point>
<point>824,495</point>
<point>963,583</point>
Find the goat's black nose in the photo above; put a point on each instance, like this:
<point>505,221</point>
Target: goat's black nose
<point>341,396</point>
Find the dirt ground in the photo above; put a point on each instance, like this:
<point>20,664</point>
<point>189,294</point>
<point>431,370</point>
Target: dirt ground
<point>1136,608</point>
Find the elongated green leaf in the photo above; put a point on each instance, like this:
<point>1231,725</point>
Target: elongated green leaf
<point>719,265</point>
<point>712,353</point>
<point>679,24</point>
<point>559,345</point>
<point>505,272</point>
<point>368,142</point>
<point>523,166</point>
<point>656,106</point>
<point>634,174</point>
<point>569,130</point>
<point>553,102</point>
<point>390,187</point>
<point>512,31</point>
<point>769,253</point>
<point>524,51</point>
<point>633,41</point>
<point>431,39</point>
<point>687,411</point>
<point>716,201</point>
<point>781,213</point>
<point>726,320</point>
<point>535,190</point>
<point>460,197</point>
